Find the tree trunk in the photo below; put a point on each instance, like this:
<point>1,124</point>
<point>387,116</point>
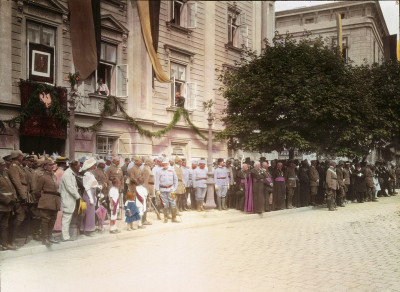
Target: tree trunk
<point>291,153</point>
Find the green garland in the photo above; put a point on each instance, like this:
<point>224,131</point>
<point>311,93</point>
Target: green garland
<point>35,105</point>
<point>112,104</point>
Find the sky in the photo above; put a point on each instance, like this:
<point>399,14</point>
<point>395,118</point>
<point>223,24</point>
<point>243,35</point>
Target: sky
<point>390,11</point>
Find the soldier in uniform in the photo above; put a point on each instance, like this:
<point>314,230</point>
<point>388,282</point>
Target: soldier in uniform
<point>114,171</point>
<point>332,186</point>
<point>258,188</point>
<point>313,176</point>
<point>200,183</point>
<point>189,186</point>
<point>347,180</point>
<point>180,190</point>
<point>185,177</point>
<point>369,180</point>
<point>8,198</point>
<point>124,169</point>
<point>148,183</point>
<point>101,176</point>
<point>7,161</point>
<point>49,201</point>
<point>290,178</point>
<point>221,180</point>
<point>18,178</point>
<point>340,196</point>
<point>166,182</point>
<point>135,174</point>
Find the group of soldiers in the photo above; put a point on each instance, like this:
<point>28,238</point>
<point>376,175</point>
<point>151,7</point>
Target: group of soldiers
<point>33,188</point>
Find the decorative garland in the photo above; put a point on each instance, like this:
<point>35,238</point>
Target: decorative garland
<point>35,105</point>
<point>112,104</point>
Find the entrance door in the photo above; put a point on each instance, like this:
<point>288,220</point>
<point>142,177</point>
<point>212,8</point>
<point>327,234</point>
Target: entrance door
<point>29,144</point>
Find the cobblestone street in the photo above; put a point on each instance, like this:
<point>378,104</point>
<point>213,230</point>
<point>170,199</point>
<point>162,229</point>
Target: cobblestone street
<point>356,248</point>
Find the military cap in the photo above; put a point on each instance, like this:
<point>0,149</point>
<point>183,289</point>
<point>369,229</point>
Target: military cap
<point>195,161</point>
<point>164,160</point>
<point>48,161</point>
<point>177,159</point>
<point>7,158</point>
<point>61,159</point>
<point>341,162</point>
<point>16,153</point>
<point>2,161</point>
<point>202,161</point>
<point>108,158</point>
<point>148,160</point>
<point>137,158</point>
<point>116,158</point>
<point>101,161</point>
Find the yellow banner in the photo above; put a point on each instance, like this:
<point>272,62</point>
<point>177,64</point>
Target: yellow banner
<point>144,15</point>
<point>339,33</point>
<point>398,50</point>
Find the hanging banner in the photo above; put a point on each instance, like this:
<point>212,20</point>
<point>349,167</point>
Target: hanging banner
<point>83,39</point>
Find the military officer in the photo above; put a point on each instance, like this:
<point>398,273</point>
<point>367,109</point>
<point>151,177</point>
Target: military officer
<point>148,183</point>
<point>189,186</point>
<point>200,183</point>
<point>135,174</point>
<point>180,191</point>
<point>185,177</point>
<point>114,171</point>
<point>221,179</point>
<point>166,182</point>
<point>313,176</point>
<point>290,178</point>
<point>18,178</point>
<point>332,186</point>
<point>8,198</point>
<point>49,201</point>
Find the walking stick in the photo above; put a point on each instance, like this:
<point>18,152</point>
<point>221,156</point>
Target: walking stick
<point>155,209</point>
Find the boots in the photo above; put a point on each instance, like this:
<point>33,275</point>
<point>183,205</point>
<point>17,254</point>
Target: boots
<point>219,201</point>
<point>198,206</point>
<point>289,203</point>
<point>174,216</point>
<point>330,204</point>
<point>223,202</point>
<point>165,215</point>
<point>313,201</point>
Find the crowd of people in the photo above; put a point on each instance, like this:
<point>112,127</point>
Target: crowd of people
<point>41,195</point>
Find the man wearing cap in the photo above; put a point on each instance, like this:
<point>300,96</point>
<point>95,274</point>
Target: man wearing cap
<point>148,183</point>
<point>221,180</point>
<point>290,179</point>
<point>7,161</point>
<point>114,171</point>
<point>108,162</point>
<point>166,182</point>
<point>340,196</point>
<point>135,174</point>
<point>69,196</point>
<point>200,183</point>
<point>332,186</point>
<point>313,176</point>
<point>180,190</point>
<point>124,169</point>
<point>49,201</point>
<point>185,177</point>
<point>19,180</point>
<point>190,191</point>
<point>369,180</point>
<point>101,175</point>
<point>8,198</point>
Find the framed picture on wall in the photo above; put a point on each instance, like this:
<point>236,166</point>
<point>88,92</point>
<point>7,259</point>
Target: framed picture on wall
<point>41,63</point>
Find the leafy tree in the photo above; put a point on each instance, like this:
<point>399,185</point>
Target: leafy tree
<point>304,95</point>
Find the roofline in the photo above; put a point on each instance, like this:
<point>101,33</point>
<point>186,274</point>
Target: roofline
<point>328,6</point>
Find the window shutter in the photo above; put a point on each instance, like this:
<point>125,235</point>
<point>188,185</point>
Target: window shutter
<point>122,80</point>
<point>191,96</point>
<point>242,18</point>
<point>173,91</point>
<point>184,15</point>
<point>172,9</point>
<point>192,14</point>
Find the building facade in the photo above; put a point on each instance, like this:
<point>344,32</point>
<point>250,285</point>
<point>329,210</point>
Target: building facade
<point>195,39</point>
<point>363,26</point>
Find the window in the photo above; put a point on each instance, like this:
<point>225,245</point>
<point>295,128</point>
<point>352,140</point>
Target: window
<point>309,20</point>
<point>112,73</point>
<point>183,13</point>
<point>343,15</point>
<point>237,28</point>
<point>105,145</point>
<point>180,85</point>
<point>345,48</point>
<point>41,51</point>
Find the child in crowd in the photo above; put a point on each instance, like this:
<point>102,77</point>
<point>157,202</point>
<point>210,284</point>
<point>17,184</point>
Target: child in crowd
<point>114,205</point>
<point>131,212</point>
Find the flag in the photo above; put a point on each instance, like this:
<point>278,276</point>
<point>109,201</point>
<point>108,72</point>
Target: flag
<point>339,33</point>
<point>83,38</point>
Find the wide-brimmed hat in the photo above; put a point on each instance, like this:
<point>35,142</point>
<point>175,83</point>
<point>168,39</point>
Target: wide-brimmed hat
<point>48,161</point>
<point>61,159</point>
<point>88,163</point>
<point>177,159</point>
<point>16,153</point>
<point>101,161</point>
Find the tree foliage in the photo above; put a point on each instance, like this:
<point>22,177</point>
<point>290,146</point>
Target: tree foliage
<point>304,95</point>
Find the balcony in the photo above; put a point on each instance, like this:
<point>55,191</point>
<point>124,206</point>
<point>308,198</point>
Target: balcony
<point>93,105</point>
